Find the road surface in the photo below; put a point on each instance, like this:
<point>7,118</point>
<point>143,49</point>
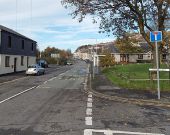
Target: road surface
<point>56,104</point>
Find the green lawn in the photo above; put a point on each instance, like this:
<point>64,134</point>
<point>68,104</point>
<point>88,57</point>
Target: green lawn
<point>133,76</point>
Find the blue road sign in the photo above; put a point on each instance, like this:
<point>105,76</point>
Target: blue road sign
<point>156,36</point>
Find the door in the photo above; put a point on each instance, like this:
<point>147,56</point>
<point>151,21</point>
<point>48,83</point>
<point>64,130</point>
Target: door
<point>128,58</point>
<point>15,64</point>
<point>27,61</point>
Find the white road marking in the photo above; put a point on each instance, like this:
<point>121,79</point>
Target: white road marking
<point>26,89</point>
<point>88,121</point>
<point>45,82</point>
<point>39,86</point>
<point>89,111</point>
<point>17,94</point>
<point>61,74</point>
<point>52,78</point>
<point>90,95</point>
<point>112,132</point>
<point>89,105</point>
<point>87,132</point>
<point>90,100</point>
<point>43,87</point>
<point>13,80</point>
<point>88,118</point>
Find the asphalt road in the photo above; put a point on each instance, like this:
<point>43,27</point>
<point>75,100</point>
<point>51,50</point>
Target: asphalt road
<point>57,105</point>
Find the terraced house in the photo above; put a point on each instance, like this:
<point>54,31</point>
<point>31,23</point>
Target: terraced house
<point>17,51</point>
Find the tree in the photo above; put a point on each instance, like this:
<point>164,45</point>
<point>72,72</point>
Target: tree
<point>121,16</point>
<point>127,45</point>
<point>107,60</point>
<point>46,54</point>
<point>37,52</point>
<point>69,52</point>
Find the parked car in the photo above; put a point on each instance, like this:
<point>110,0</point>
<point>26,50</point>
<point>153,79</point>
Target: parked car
<point>35,70</point>
<point>42,63</point>
<point>69,63</point>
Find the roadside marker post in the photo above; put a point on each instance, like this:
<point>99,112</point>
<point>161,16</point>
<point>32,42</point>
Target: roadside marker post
<point>156,37</point>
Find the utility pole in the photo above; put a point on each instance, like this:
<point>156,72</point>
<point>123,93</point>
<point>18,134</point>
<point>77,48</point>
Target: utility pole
<point>93,62</point>
<point>16,27</point>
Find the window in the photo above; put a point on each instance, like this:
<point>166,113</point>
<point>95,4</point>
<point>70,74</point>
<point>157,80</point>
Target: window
<point>9,42</point>
<point>23,46</point>
<point>22,60</point>
<point>7,59</point>
<point>121,58</point>
<point>140,56</point>
<point>32,47</point>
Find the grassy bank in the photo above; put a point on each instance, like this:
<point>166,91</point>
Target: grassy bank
<point>136,76</point>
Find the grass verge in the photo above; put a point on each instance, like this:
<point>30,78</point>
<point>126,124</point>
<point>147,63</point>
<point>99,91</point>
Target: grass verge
<point>136,76</point>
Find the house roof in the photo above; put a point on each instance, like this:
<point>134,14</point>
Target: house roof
<point>145,47</point>
<point>13,32</point>
<point>111,47</point>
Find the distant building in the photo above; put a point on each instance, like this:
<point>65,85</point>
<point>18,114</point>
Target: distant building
<point>145,56</point>
<point>82,56</point>
<point>17,52</point>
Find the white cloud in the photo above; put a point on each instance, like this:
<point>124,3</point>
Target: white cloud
<point>50,24</point>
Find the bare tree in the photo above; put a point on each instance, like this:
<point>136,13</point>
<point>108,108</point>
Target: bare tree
<point>120,16</point>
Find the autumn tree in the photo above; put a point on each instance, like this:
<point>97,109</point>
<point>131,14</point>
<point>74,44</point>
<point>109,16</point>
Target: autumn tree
<point>107,60</point>
<point>128,45</point>
<point>64,55</point>
<point>120,16</point>
<point>49,50</point>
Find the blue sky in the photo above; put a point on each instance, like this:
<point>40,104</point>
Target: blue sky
<point>51,24</point>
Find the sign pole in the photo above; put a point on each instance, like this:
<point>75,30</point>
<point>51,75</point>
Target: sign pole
<point>94,61</point>
<point>157,66</point>
<point>156,37</point>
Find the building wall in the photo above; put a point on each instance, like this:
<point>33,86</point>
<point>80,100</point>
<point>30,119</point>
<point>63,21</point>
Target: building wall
<point>19,67</point>
<point>133,58</point>
<point>117,57</point>
<point>147,57</point>
<point>16,45</point>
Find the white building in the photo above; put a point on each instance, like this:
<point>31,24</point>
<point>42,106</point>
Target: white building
<point>17,52</point>
<point>82,56</point>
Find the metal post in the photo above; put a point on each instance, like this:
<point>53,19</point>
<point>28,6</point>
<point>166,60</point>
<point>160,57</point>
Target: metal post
<point>96,46</point>
<point>93,65</point>
<point>16,15</point>
<point>97,64</point>
<point>157,66</point>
